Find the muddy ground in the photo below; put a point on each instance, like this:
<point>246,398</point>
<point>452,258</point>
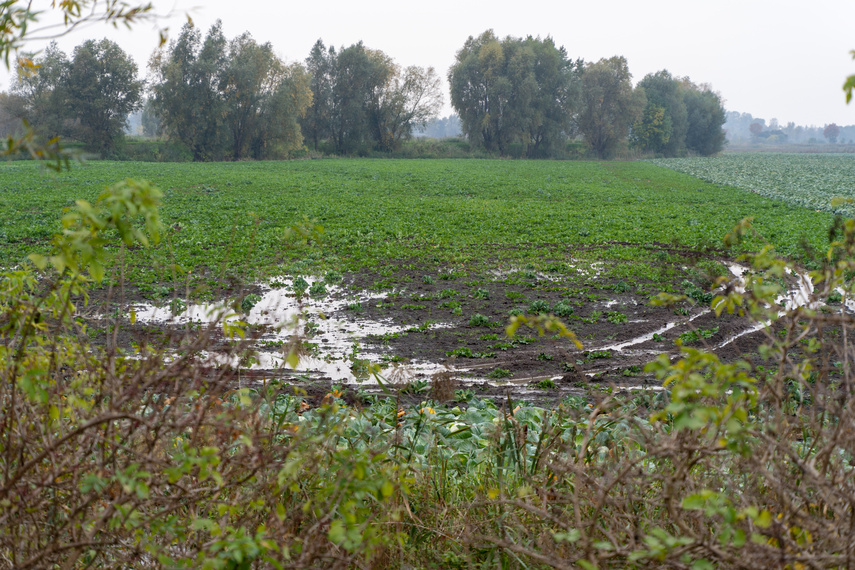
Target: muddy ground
<point>435,332</point>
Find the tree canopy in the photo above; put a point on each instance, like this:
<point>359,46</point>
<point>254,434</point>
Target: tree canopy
<point>86,98</point>
<point>221,98</point>
<point>610,105</point>
<point>679,117</point>
<point>514,91</point>
<point>362,99</point>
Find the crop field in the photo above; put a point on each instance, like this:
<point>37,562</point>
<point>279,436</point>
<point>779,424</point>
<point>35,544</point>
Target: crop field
<point>199,406</point>
<point>809,180</point>
<point>438,255</point>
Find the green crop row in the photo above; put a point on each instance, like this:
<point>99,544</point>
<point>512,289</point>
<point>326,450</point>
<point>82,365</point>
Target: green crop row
<point>809,180</point>
<point>250,220</point>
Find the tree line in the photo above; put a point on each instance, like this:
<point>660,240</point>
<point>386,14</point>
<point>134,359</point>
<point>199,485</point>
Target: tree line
<point>743,128</point>
<point>235,99</point>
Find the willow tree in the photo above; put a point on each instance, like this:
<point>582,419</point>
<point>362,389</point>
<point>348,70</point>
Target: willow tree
<point>609,105</point>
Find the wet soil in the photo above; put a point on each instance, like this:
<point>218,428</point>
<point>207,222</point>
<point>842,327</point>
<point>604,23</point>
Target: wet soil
<point>445,330</point>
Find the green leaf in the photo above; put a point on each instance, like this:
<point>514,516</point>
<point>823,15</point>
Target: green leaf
<point>571,536</point>
<point>764,519</point>
<point>337,533</point>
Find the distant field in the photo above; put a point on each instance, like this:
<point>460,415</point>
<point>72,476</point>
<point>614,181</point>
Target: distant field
<point>809,180</point>
<point>230,218</point>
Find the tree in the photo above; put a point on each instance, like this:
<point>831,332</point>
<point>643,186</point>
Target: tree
<point>409,100</point>
<point>831,132</point>
<point>755,129</point>
<point>668,136</point>
<point>250,77</point>
<point>609,105</point>
<point>361,76</point>
<point>149,120</point>
<point>653,131</point>
<point>280,133</point>
<point>480,92</point>
<point>232,98</point>
<point>705,112</point>
<point>12,112</point>
<point>555,100</point>
<point>41,88</point>
<point>321,67</point>
<point>185,91</point>
<point>19,21</point>
<point>514,91</point>
<point>102,89</point>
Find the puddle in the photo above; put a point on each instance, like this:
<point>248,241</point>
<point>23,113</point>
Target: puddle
<point>279,309</point>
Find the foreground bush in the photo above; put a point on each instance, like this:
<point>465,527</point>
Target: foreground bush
<point>154,459</point>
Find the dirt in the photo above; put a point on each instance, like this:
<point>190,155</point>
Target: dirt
<point>454,320</point>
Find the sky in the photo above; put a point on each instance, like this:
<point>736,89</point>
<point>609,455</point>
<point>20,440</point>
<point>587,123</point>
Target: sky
<point>778,59</point>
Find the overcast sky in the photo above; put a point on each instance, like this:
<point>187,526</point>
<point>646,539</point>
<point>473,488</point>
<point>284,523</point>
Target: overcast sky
<point>781,59</point>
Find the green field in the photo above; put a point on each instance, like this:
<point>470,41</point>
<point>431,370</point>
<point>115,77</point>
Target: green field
<point>125,443</point>
<point>228,221</point>
<point>808,180</point>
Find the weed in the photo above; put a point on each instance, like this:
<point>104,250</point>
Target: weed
<point>447,293</point>
<point>696,293</point>
<point>544,356</point>
<point>616,317</point>
<point>481,294</point>
<point>318,290</point>
<point>563,309</point>
<point>538,306</point>
<point>300,286</point>
<point>689,337</point>
<point>249,302</point>
<point>479,320</point>
<point>546,384</point>
<point>177,306</point>
<point>414,307</point>
<point>498,373</point>
<point>424,327</point>
<point>592,318</point>
<point>427,279</point>
<point>466,352</point>
<point>598,354</point>
<point>356,307</point>
<point>491,336</point>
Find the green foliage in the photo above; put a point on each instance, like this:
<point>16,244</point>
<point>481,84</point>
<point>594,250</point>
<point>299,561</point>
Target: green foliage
<point>86,98</point>
<point>514,92</point>
<point>811,181</point>
<point>705,112</point>
<point>249,302</point>
<point>691,336</point>
<point>609,105</point>
<point>499,373</point>
<point>234,98</point>
<point>479,320</point>
<point>370,222</point>
<point>563,309</point>
<point>361,99</point>
<point>616,317</point>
